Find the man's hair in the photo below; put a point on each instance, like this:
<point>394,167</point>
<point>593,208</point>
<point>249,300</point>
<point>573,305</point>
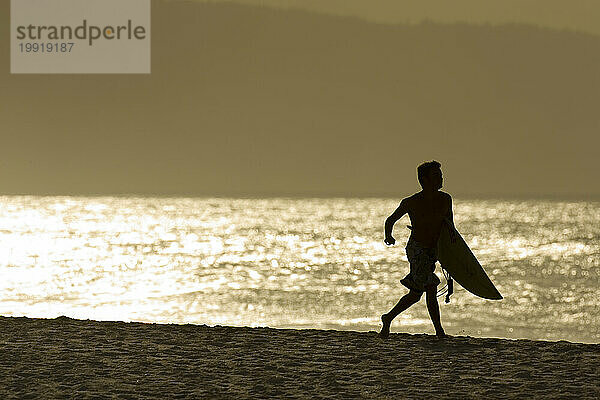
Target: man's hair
<point>424,169</point>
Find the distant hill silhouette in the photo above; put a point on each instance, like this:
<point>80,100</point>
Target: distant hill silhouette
<point>258,101</point>
<point>578,15</point>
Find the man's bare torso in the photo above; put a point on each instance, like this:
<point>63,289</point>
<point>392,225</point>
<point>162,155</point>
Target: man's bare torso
<point>426,215</point>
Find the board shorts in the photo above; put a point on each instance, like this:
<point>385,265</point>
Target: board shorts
<point>422,264</point>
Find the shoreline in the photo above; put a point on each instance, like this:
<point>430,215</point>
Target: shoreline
<point>79,358</point>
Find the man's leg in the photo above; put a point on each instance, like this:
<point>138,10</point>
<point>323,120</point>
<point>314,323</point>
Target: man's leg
<point>406,301</point>
<point>434,309</point>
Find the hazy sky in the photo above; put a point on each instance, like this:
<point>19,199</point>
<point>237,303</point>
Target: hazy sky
<point>256,101</point>
<point>582,15</point>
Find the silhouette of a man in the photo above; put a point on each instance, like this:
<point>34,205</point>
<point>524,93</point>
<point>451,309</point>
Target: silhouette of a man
<point>428,210</point>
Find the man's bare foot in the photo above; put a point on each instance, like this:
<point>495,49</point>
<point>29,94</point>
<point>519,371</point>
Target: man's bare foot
<point>441,334</point>
<point>385,330</point>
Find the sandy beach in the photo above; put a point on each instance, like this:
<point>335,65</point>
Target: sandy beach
<point>64,357</point>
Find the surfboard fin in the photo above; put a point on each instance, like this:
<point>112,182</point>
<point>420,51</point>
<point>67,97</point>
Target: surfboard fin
<point>450,288</point>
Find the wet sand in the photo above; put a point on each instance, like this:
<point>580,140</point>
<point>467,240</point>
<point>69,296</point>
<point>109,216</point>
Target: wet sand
<point>64,357</point>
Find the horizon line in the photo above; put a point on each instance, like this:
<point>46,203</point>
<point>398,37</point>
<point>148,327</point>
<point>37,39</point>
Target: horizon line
<point>578,197</point>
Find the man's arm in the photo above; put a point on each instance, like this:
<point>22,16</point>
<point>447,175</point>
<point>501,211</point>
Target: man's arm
<point>449,219</point>
<point>391,220</point>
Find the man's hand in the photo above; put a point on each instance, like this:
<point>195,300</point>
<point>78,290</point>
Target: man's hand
<point>389,240</point>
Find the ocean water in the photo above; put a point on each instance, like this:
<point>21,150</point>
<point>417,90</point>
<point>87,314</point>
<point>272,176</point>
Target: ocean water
<point>300,263</point>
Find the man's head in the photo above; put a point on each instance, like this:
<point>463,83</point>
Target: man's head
<point>430,175</point>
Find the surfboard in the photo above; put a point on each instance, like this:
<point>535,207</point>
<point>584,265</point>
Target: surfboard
<point>458,259</point>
